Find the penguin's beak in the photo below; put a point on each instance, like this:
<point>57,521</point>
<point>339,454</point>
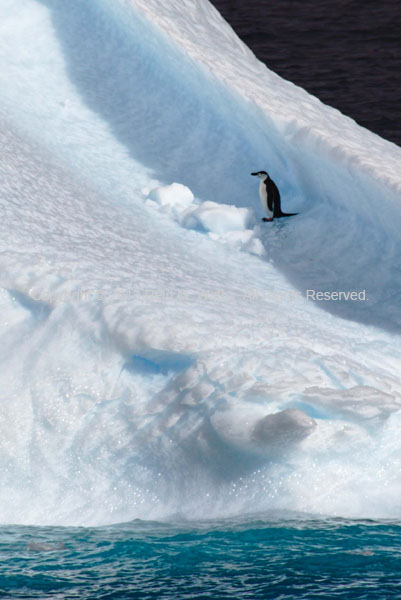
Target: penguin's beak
<point>253,173</point>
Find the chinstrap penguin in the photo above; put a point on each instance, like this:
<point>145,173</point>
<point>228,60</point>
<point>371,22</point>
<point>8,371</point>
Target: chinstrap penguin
<point>270,197</point>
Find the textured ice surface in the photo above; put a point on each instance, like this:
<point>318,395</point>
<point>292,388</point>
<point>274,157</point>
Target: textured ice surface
<point>219,218</point>
<point>148,368</point>
<point>225,223</point>
<point>175,195</point>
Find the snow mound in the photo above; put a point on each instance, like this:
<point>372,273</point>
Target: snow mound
<point>219,218</point>
<point>174,195</point>
<point>223,223</point>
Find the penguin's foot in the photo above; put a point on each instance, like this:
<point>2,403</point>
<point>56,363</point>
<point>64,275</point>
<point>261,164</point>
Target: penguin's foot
<point>266,219</point>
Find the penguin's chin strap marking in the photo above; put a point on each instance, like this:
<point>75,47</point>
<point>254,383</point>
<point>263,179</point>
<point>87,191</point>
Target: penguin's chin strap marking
<point>265,219</point>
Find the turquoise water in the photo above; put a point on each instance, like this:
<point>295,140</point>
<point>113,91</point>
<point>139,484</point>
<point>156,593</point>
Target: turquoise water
<point>277,558</point>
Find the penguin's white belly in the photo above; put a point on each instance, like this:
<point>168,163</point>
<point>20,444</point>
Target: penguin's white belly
<point>263,199</point>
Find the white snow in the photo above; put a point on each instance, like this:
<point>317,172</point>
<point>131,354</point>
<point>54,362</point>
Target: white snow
<point>148,368</point>
<point>225,223</point>
<point>175,195</point>
<point>219,218</point>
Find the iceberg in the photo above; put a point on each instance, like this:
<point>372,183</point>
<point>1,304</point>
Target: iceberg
<point>159,355</point>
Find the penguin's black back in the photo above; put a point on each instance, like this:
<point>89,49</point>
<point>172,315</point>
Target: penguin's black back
<point>274,200</point>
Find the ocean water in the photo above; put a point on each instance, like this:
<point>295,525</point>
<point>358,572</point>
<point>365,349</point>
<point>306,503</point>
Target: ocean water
<point>346,53</point>
<point>278,558</point>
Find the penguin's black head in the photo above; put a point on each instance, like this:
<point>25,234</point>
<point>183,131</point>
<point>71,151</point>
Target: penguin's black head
<point>261,174</point>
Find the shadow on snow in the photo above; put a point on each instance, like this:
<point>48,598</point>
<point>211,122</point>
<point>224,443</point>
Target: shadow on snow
<point>183,125</point>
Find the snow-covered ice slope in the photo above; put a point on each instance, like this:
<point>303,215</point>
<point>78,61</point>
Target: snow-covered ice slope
<point>148,367</point>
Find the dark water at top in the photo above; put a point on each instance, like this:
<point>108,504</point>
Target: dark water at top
<point>345,52</point>
<point>273,559</point>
